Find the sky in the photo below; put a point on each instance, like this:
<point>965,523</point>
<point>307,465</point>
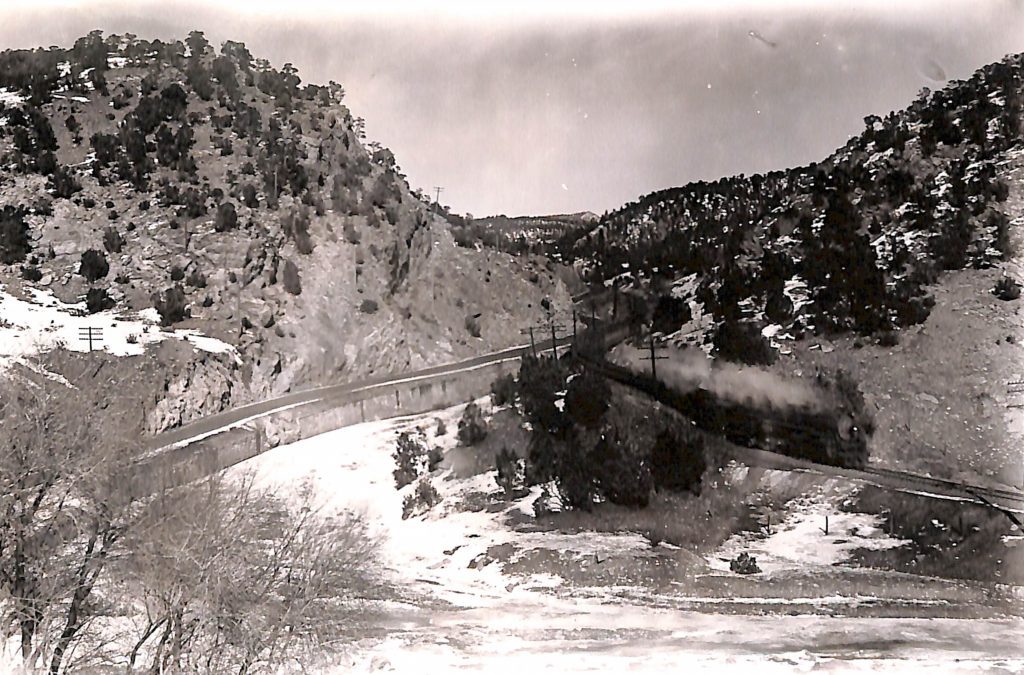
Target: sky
<point>553,107</point>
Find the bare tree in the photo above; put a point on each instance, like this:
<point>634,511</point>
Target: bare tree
<point>229,578</point>
<point>215,576</point>
<point>62,512</point>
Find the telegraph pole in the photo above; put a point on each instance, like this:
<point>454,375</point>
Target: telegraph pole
<point>654,358</point>
<point>90,334</point>
<point>437,194</point>
<point>533,345</point>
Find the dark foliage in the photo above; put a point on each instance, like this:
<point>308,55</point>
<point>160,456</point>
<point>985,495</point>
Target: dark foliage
<point>621,474</point>
<point>290,278</point>
<point>472,426</point>
<point>226,218</point>
<point>64,183</point>
<point>97,300</point>
<point>296,227</point>
<point>410,458</point>
<point>14,235</point>
<point>677,461</point>
<point>196,279</point>
<point>510,471</point>
<point>503,390</point>
<point>742,342</point>
<point>171,305</point>
<point>112,240</point>
<point>1006,288</point>
<point>94,265</point>
<point>587,399</point>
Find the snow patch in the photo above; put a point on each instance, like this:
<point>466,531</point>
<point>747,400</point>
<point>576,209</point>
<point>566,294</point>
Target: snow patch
<point>29,327</point>
<point>11,98</point>
<point>800,541</point>
<point>351,469</point>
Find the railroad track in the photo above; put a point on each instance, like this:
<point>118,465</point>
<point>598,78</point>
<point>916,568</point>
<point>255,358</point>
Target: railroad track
<point>1010,502</point>
<point>931,481</point>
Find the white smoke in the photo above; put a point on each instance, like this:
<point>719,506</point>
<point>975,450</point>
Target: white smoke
<point>688,369</point>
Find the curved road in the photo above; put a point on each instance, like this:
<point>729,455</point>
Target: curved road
<point>224,420</point>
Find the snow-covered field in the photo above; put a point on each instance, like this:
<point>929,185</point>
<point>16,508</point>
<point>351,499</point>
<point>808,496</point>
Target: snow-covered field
<point>491,621</point>
<point>800,540</point>
<point>28,327</point>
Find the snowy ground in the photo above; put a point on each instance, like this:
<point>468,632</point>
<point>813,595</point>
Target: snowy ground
<point>800,541</point>
<point>43,322</point>
<point>496,622</point>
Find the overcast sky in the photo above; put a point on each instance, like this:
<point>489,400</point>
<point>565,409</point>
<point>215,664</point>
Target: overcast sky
<point>538,107</point>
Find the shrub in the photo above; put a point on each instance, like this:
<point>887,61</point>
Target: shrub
<point>742,342</point>
<point>296,226</point>
<point>888,338</point>
<point>196,279</point>
<point>170,305</point>
<point>677,463</point>
<point>290,278</point>
<point>410,458</point>
<point>351,234</point>
<point>94,265</point>
<point>503,390</point>
<point>423,498</point>
<point>249,196</point>
<point>434,458</point>
<point>112,240</point>
<point>744,563</point>
<point>31,273</point>
<point>1006,289</point>
<point>587,399</point>
<point>511,471</point>
<point>620,474</point>
<point>368,306</point>
<point>226,218</point>
<point>177,274</point>
<point>473,324</point>
<point>472,426</point>
<point>14,239</point>
<point>97,300</point>
<point>441,428</point>
<point>64,183</point>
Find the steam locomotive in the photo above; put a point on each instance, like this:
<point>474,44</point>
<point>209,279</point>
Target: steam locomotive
<point>831,426</point>
<point>833,430</point>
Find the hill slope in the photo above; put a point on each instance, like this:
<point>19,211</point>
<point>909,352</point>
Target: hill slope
<point>241,204</point>
<point>849,243</point>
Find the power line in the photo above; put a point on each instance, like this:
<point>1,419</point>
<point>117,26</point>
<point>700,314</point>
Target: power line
<point>437,194</point>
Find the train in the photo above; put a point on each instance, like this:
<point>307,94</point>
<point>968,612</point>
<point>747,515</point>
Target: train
<point>828,425</point>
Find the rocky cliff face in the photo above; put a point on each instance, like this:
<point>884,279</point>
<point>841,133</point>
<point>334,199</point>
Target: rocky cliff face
<point>243,204</point>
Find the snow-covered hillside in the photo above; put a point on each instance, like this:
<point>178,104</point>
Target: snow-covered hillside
<point>496,617</point>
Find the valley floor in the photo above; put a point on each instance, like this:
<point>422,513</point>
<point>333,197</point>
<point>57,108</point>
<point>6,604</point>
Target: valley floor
<point>480,586</point>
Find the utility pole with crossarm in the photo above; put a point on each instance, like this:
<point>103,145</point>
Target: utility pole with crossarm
<point>654,357</point>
